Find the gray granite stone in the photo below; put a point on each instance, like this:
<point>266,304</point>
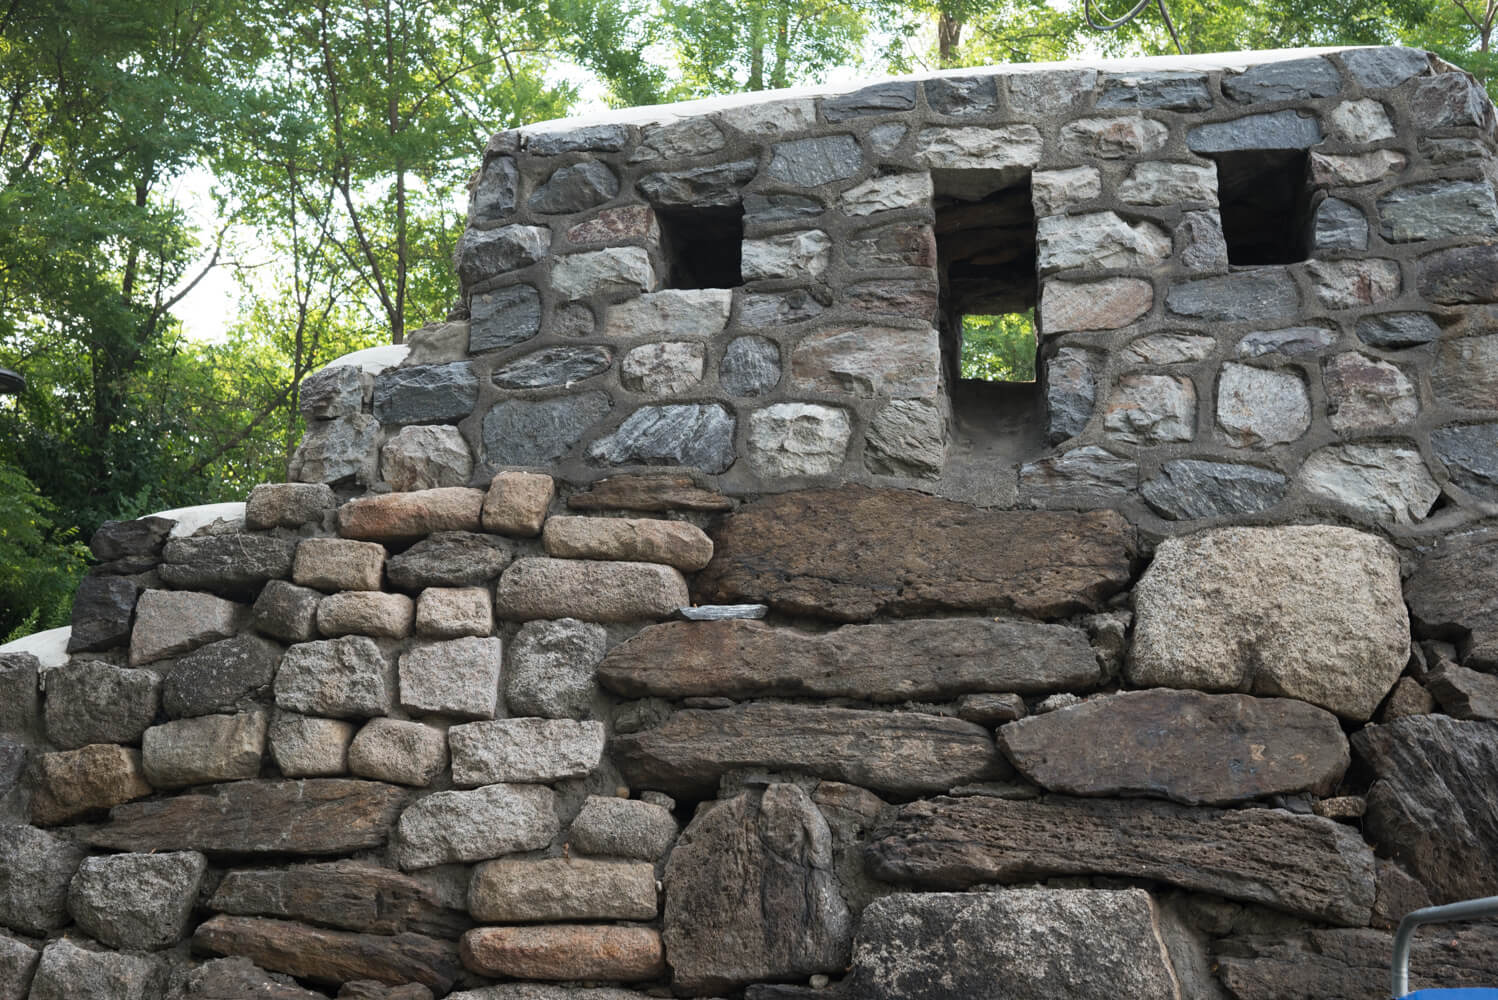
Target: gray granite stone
<point>137,902</point>
<point>503,318</point>
<point>614,271</point>
<point>1448,100</point>
<point>663,368</point>
<point>1151,409</point>
<point>232,565</point>
<point>1364,392</point>
<point>1167,90</point>
<point>205,749</point>
<point>699,435</point>
<point>703,187</point>
<point>1089,475</point>
<point>1291,341</point>
<point>554,366</point>
<point>798,439</point>
<point>1258,407</point>
<point>1248,296</point>
<point>778,308</point>
<point>539,431</point>
<point>482,254</point>
<point>95,702</point>
<point>584,139</point>
<point>962,95</point>
<point>551,668</point>
<point>287,612</point>
<point>1397,330</point>
<point>524,750</point>
<point>575,188</point>
<point>881,98</point>
<point>343,678</point>
<point>494,195</point>
<point>1340,225</point>
<point>762,209</point>
<point>1470,454</point>
<point>336,391</point>
<point>103,609</point>
<point>1278,130</point>
<point>1383,481</point>
<point>1385,67</point>
<point>467,826</point>
<point>425,458</point>
<point>458,678</point>
<point>426,394</point>
<point>35,869</point>
<point>220,677</point>
<point>1438,209</point>
<point>689,137</point>
<point>1290,80</point>
<point>1070,392</point>
<point>1186,489</point>
<point>907,437</point>
<point>450,559</point>
<point>816,161</point>
<point>68,971</point>
<point>337,450</point>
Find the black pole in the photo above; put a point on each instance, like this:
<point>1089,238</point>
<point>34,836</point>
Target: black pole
<point>11,382</point>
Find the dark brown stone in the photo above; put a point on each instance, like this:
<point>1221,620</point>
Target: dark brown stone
<point>1431,805</point>
<point>353,895</point>
<point>658,492</point>
<point>626,953</point>
<point>1351,964</point>
<point>317,816</point>
<point>1464,693</point>
<point>1462,274</point>
<point>1189,747</point>
<point>369,989</point>
<point>931,659</point>
<point>1397,893</point>
<point>1305,865</point>
<point>902,753</point>
<point>326,956</point>
<point>750,894</point>
<point>1453,595</point>
<point>848,554</point>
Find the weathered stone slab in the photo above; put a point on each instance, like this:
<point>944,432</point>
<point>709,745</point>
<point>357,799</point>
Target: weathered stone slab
<point>1453,595</point>
<point>454,612</point>
<point>1288,80</point>
<point>1189,488</point>
<point>18,961</point>
<point>137,902</point>
<point>1098,240</point>
<point>326,956</point>
<point>458,678</point>
<point>903,753</point>
<point>483,254</point>
<point>936,660</point>
<point>1016,944</point>
<point>20,706</point>
<point>1432,766</point>
<point>1470,454</point>
<point>306,746</point>
<point>73,783</point>
<point>397,751</point>
<point>468,826</point>
<point>503,318</point>
<point>1305,865</point>
<point>1464,693</point>
<point>524,750</point>
<point>89,701</point>
<point>551,668</point>
<point>35,869</point>
<point>287,505</point>
<point>1167,90</point>
<point>539,431</point>
<point>1260,296</point>
<point>424,393</point>
<point>589,589</point>
<point>549,889</point>
<point>1112,138</point>
<point>328,816</point>
<point>287,612</point>
<point>694,434</point>
<point>235,979</point>
<point>1258,407</point>
<point>366,612</point>
<point>1384,481</point>
<point>220,677</point>
<point>68,971</point>
<point>1291,341</point>
<point>103,608</point>
<point>406,516</point>
<point>575,188</point>
<point>565,952</point>
<point>1189,747</point>
<point>672,314</point>
<point>1094,305</point>
<point>913,554</point>
<point>333,564</point>
<point>622,828</point>
<point>1343,962</point>
<point>352,895</point>
<point>784,918</point>
<point>1458,275</point>
<point>336,451</point>
<point>205,749</point>
<point>140,538</point>
<point>1340,638</point>
<point>674,543</point>
<point>344,678</point>
<point>611,271</point>
<point>815,161</point>
<point>169,622</point>
<point>233,565</point>
<point>450,559</point>
<point>716,185</point>
<point>798,439</point>
<point>650,492</point>
<point>1288,129</point>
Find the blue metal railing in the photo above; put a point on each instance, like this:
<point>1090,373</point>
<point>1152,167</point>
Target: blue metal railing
<point>1470,909</point>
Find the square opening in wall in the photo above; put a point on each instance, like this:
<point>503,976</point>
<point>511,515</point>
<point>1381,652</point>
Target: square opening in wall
<point>1265,204</point>
<point>703,246</point>
<point>998,348</point>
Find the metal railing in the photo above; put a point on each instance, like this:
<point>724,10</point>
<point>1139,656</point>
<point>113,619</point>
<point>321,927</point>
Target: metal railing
<point>1404,937</point>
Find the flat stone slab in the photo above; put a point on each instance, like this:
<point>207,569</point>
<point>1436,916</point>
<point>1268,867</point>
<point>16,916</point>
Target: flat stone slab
<point>565,952</point>
<point>588,589</point>
<point>934,659</point>
<point>1305,865</point>
<point>404,516</point>
<point>630,539</point>
<point>317,816</point>
<point>848,554</point>
<point>352,895</point>
<point>524,750</point>
<point>1429,766</point>
<point>519,891</point>
<point>649,492</point>
<point>1453,595</point>
<point>468,826</point>
<point>784,917</point>
<point>1015,944</point>
<point>1189,747</point>
<point>328,956</point>
<point>902,753</point>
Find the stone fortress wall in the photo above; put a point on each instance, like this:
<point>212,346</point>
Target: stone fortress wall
<point>1263,285</point>
<point>465,722</point>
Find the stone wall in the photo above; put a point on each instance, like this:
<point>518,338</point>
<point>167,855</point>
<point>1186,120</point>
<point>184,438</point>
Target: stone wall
<point>1264,288</point>
<point>648,740</point>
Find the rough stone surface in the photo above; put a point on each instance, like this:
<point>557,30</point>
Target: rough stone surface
<point>698,435</point>
<point>881,98</point>
<point>1438,209</point>
<point>589,590</point>
<point>1260,296</point>
<point>1169,349</point>
<point>1291,341</point>
<point>437,343</point>
<point>494,196</point>
<point>70,972</point>
<point>934,660</point>
<point>352,895</point>
<point>309,747</point>
<point>1168,90</point>
<point>553,366</point>
<point>232,565</point>
<point>1055,191</point>
<point>483,254</point>
<point>550,673</point>
<point>503,318</point>
<point>1156,183</point>
<point>1189,488</point>
<point>329,956</point>
<point>1387,482</point>
<point>344,678</point>
<point>1470,454</point>
<point>1464,693</point>
<point>1385,67</point>
<point>366,612</point>
<point>403,753</point>
<point>1200,243</point>
<point>802,255</point>
<point>1427,766</point>
<point>233,979</point>
<point>339,564</point>
<point>887,193</point>
<point>1367,392</point>
<point>1151,409</point>
<point>452,612</point>
<point>137,902</point>
<point>103,609</point>
<point>1070,392</point>
<point>1088,476</point>
<point>1098,239</point>
<point>95,702</point>
<point>1450,99</point>
<point>673,543</point>
<point>450,559</point>
<point>73,783</point>
<point>35,869</point>
<point>1290,80</point>
<point>566,952</point>
<point>903,753</point>
<point>1356,168</point>
<point>287,505</point>
<point>1259,407</point>
<point>1341,635</point>
<point>327,816</point>
<point>750,367</point>
<point>468,826</point>
<point>1462,274</point>
<point>205,749</point>
<point>403,516</point>
<point>622,828</point>
<point>614,271</point>
<point>907,437</point>
<point>575,188</point>
<point>663,369</point>
<point>425,393</point>
<point>1113,138</point>
<point>1289,129</point>
<point>968,559</point>
<point>674,314</point>
<point>864,361</point>
<point>750,894</point>
<point>549,889</point>
<point>933,946</point>
<point>336,451</point>
<point>812,162</point>
<point>778,308</point>
<point>717,185</point>
<point>650,492</point>
<point>1349,284</point>
<point>18,961</point>
<point>423,458</point>
<point>1340,225</point>
<point>1305,865</point>
<point>1465,373</point>
<point>787,440</point>
<point>19,705</point>
<point>287,612</point>
<point>1451,595</point>
<point>331,393</point>
<point>524,750</point>
<point>1189,747</point>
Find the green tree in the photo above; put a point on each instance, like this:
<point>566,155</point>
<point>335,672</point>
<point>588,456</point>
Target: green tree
<point>40,562</point>
<point>753,45</point>
<point>999,348</point>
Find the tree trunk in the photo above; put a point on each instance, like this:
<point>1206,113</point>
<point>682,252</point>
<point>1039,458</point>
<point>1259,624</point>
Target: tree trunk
<point>948,37</point>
